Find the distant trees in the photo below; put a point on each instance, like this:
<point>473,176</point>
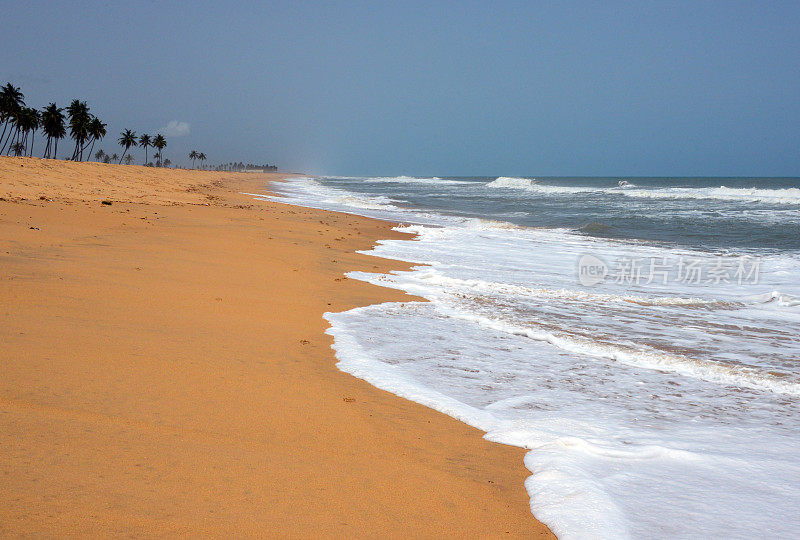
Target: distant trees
<point>12,100</point>
<point>97,130</point>
<point>54,127</point>
<point>159,143</point>
<point>84,128</point>
<point>19,124</point>
<point>127,139</point>
<point>18,149</point>
<point>242,167</point>
<point>144,142</point>
<point>27,123</point>
<point>194,154</point>
<point>78,113</point>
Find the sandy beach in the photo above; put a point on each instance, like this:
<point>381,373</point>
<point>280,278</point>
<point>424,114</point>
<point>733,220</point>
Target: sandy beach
<point>165,371</point>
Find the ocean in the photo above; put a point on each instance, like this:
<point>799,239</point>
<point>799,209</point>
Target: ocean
<point>639,336</point>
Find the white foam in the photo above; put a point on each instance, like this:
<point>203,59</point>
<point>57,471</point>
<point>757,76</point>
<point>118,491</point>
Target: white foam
<point>416,180</point>
<point>647,411</point>
<point>310,192</point>
<point>774,196</point>
<point>510,182</point>
<point>606,462</point>
<point>431,285</point>
<point>789,196</point>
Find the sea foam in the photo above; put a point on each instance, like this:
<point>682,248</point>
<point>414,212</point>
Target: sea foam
<point>647,411</point>
<point>789,196</point>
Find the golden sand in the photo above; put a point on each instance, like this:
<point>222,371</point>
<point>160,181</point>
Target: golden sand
<point>164,371</point>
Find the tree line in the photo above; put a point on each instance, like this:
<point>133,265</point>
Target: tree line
<point>20,124</point>
<point>233,166</point>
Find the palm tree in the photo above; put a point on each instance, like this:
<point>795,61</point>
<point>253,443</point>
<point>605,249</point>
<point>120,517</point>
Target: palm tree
<point>15,117</point>
<point>114,157</point>
<point>27,123</point>
<point>53,126</point>
<point>99,155</point>
<point>202,157</point>
<point>79,121</point>
<point>160,143</point>
<point>97,130</point>
<point>193,155</point>
<point>127,139</point>
<point>144,142</point>
<point>128,159</point>
<point>36,123</point>
<point>11,102</point>
<point>167,162</point>
<point>18,148</point>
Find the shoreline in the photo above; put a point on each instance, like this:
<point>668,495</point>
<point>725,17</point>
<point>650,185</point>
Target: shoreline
<point>167,370</point>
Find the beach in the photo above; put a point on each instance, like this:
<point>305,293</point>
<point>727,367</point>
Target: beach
<point>165,371</point>
<point>650,396</point>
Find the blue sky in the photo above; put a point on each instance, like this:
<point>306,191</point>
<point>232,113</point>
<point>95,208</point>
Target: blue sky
<point>444,88</point>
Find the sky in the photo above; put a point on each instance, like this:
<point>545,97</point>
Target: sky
<point>602,88</point>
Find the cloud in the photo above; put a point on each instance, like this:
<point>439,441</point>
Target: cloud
<point>175,129</point>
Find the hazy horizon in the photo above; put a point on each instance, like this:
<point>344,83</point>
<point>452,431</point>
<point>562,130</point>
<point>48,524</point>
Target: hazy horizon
<point>575,89</point>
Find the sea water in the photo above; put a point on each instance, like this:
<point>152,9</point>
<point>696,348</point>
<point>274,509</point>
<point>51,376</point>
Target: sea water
<point>639,336</point>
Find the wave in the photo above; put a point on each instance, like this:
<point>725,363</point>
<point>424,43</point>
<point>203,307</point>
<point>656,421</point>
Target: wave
<point>510,182</point>
<point>722,193</point>
<point>415,180</point>
<point>638,356</point>
<point>716,372</point>
<point>571,443</point>
<point>367,203</point>
<point>553,486</point>
<point>775,196</point>
<point>307,189</point>
<point>531,184</point>
<point>431,276</point>
<point>776,297</point>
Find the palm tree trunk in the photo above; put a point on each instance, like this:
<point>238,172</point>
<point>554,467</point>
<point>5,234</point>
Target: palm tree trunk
<point>7,142</point>
<point>33,140</point>
<point>89,140</point>
<point>14,139</point>
<point>55,152</point>
<point>5,126</point>
<point>123,155</point>
<point>8,137</point>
